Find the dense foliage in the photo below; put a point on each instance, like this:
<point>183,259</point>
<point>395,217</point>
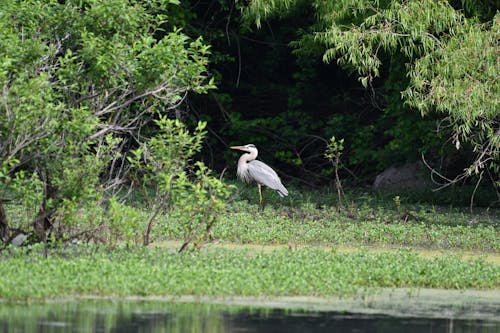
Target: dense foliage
<point>450,59</point>
<point>81,82</point>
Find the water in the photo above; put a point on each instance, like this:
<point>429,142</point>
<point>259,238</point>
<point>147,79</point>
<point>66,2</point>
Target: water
<point>108,316</point>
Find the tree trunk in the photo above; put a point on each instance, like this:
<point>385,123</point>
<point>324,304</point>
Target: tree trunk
<point>149,226</point>
<point>4,225</point>
<point>42,222</point>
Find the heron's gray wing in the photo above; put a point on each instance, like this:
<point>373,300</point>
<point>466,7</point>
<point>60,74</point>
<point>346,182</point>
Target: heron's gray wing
<point>263,174</point>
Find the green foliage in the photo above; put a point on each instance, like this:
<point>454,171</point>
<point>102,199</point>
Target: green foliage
<point>79,81</point>
<point>304,272</point>
<point>333,152</point>
<point>371,228</point>
<point>397,202</point>
<point>334,149</point>
<point>125,223</point>
<point>163,167</point>
<point>165,157</point>
<point>451,61</point>
<point>201,208</point>
<point>409,27</point>
<point>261,9</point>
<point>460,80</point>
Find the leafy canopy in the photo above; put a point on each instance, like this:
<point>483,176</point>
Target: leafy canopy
<point>450,50</point>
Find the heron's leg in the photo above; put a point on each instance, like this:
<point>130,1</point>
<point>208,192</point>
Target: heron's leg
<point>260,194</point>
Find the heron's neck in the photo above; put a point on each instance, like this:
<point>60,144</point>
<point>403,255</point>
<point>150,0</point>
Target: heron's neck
<point>247,157</point>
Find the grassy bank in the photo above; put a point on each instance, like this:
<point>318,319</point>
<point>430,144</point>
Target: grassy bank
<point>308,217</point>
<point>311,218</point>
<point>221,272</point>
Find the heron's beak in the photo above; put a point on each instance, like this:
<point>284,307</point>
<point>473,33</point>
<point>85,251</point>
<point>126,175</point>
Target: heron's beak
<point>239,148</point>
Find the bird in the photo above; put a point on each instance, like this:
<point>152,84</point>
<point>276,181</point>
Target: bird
<point>252,170</point>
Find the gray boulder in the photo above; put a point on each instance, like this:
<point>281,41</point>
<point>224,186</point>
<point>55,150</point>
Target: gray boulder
<point>407,176</point>
<point>19,239</point>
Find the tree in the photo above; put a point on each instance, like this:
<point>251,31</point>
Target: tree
<point>450,52</point>
<point>164,169</point>
<point>80,81</point>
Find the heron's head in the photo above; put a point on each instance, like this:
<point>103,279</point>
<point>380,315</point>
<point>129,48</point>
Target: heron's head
<point>246,148</point>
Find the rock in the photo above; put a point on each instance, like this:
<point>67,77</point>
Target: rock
<point>19,239</point>
<point>407,176</point>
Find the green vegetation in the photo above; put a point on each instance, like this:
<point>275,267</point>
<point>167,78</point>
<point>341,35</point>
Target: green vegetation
<point>307,258</point>
<point>155,271</point>
<point>307,217</point>
<point>450,60</point>
<point>81,84</point>
<point>311,217</point>
<point>164,164</point>
<point>116,116</point>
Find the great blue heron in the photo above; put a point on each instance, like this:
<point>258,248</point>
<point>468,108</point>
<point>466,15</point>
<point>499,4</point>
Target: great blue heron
<point>250,169</point>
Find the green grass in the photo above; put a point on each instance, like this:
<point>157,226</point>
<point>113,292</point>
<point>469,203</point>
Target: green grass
<point>310,217</point>
<point>157,271</point>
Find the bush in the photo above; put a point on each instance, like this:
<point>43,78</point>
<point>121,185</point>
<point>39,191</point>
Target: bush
<point>81,81</point>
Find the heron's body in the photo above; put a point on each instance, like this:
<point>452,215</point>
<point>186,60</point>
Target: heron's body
<point>250,169</point>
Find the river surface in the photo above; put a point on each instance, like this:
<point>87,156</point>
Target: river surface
<point>161,316</point>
